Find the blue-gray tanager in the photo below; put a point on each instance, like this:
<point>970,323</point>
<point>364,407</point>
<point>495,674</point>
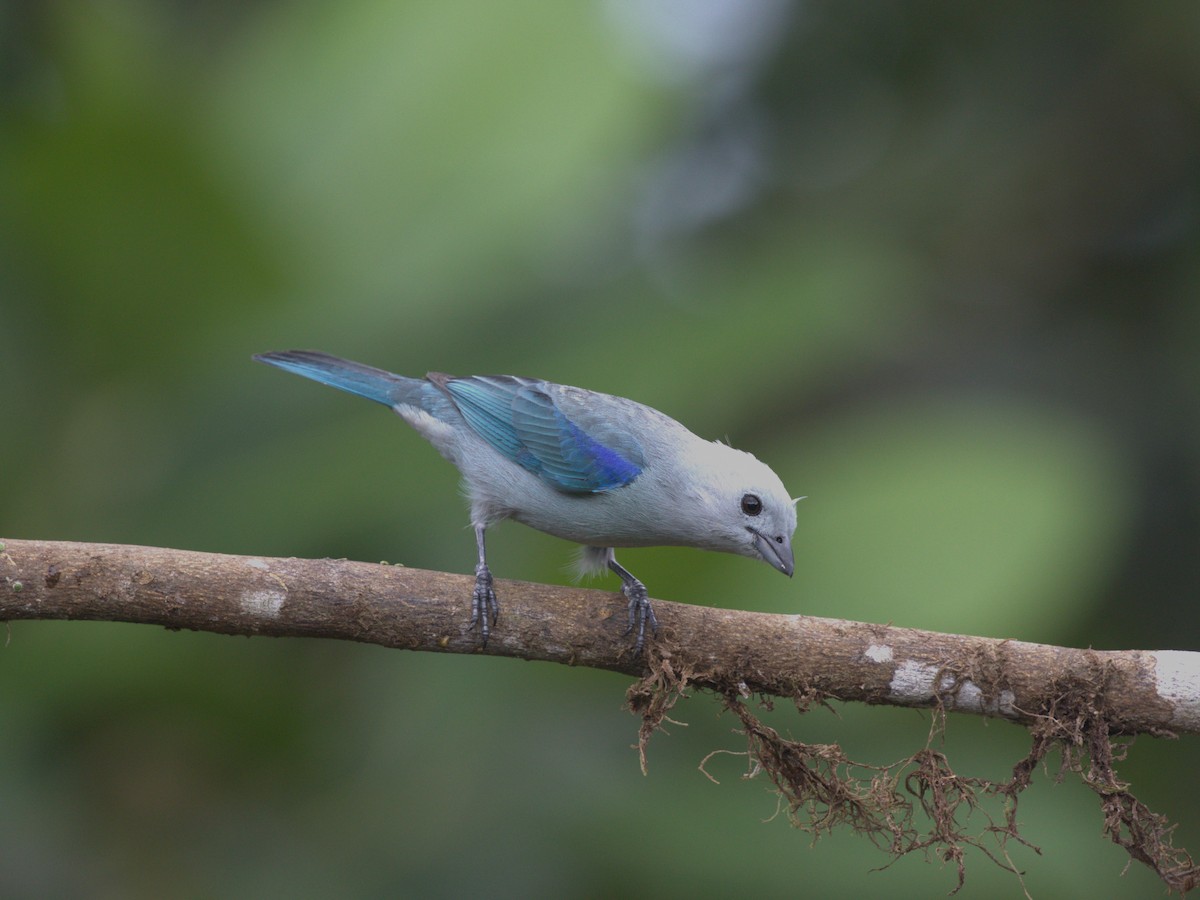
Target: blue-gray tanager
<point>599,470</point>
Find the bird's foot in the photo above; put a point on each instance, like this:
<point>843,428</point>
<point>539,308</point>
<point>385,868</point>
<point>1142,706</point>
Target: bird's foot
<point>484,608</point>
<point>640,613</point>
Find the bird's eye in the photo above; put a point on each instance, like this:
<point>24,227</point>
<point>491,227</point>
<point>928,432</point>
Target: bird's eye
<point>751,505</point>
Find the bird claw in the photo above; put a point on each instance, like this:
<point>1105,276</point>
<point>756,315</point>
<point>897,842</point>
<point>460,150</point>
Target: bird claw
<point>640,612</point>
<point>484,607</point>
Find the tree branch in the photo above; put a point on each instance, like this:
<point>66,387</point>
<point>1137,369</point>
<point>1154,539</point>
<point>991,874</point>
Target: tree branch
<point>1072,700</point>
<point>729,651</point>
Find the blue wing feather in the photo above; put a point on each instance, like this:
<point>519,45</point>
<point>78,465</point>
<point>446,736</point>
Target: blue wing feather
<point>520,419</point>
<point>487,407</point>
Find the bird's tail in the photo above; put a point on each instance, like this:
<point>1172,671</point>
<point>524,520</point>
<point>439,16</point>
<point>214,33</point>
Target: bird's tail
<point>365,381</point>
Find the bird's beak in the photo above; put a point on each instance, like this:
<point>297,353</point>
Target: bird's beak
<point>776,552</point>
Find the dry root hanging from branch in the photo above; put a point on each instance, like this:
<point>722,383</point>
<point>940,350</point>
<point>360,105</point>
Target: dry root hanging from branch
<point>821,788</point>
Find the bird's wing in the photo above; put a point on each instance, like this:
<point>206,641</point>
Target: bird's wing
<point>520,419</point>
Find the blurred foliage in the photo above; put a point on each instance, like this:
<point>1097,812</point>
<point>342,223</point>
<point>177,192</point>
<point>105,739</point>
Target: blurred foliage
<point>936,263</point>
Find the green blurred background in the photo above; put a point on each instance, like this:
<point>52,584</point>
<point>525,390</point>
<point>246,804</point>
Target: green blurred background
<point>935,262</point>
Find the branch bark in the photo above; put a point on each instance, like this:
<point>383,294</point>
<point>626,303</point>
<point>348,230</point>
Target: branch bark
<point>729,651</point>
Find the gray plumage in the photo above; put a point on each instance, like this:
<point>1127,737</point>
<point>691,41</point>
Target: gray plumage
<point>599,470</point>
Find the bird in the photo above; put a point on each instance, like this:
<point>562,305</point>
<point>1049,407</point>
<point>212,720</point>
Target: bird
<point>599,470</point>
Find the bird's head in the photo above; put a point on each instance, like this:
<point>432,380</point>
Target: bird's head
<point>746,509</point>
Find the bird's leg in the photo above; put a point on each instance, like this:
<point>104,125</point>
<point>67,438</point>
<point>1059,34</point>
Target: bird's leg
<point>484,608</point>
<point>640,611</point>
